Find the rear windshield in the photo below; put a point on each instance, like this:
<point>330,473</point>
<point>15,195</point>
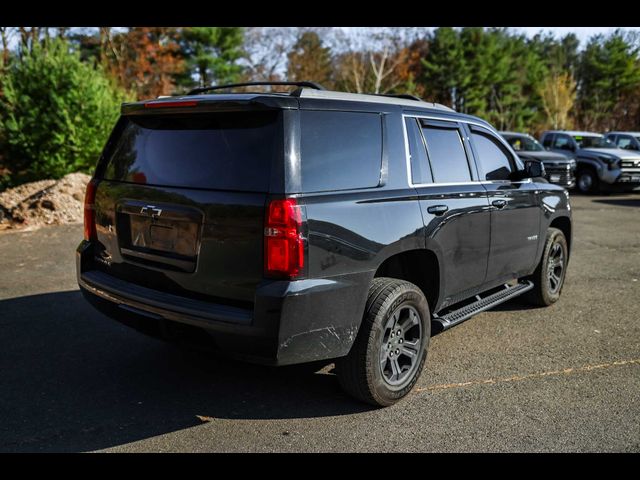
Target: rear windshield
<point>227,151</point>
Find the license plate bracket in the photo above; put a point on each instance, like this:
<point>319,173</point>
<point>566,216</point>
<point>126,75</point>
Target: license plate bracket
<point>162,234</point>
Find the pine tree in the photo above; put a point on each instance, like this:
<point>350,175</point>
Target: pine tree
<point>211,54</point>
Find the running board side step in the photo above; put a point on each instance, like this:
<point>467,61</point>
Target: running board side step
<point>455,317</point>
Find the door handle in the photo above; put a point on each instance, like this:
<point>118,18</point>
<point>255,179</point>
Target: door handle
<point>499,203</point>
<point>438,209</point>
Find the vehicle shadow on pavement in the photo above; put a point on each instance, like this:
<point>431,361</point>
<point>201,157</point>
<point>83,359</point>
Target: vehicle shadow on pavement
<point>621,202</point>
<point>74,380</point>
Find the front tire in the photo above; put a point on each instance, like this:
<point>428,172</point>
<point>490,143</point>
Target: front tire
<point>390,350</point>
<point>587,181</point>
<point>548,279</point>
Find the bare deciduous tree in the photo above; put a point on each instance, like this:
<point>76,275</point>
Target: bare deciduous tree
<point>373,59</point>
<point>266,51</point>
<point>558,94</point>
<point>5,34</point>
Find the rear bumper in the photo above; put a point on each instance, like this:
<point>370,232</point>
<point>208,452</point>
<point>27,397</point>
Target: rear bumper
<point>291,322</point>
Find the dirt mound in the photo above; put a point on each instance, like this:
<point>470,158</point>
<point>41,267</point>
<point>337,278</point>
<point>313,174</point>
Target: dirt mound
<point>45,202</point>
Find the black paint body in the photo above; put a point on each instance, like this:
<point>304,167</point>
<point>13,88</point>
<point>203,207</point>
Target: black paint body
<point>350,234</point>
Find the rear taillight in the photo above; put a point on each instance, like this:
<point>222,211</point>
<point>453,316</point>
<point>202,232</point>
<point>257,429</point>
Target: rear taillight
<point>283,241</point>
<point>90,211</point>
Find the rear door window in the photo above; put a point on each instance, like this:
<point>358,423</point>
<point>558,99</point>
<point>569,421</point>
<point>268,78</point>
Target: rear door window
<point>447,155</point>
<point>340,150</point>
<point>227,150</point>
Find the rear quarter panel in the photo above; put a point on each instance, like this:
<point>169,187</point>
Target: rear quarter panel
<point>350,233</point>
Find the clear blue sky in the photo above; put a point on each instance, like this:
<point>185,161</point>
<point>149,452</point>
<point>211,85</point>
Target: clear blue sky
<point>583,33</point>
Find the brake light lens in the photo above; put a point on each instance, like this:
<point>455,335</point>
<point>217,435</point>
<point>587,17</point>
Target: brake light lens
<point>90,211</point>
<point>165,104</point>
<point>283,241</point>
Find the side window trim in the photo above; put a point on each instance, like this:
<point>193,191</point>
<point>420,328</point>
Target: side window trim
<point>476,172</point>
<point>463,127</point>
<point>416,124</point>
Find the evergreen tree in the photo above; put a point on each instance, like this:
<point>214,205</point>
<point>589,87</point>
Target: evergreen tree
<point>56,113</point>
<point>609,75</point>
<point>211,54</point>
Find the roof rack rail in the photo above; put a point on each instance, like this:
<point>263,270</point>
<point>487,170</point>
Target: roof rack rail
<point>314,85</point>
<point>406,96</point>
<point>368,97</point>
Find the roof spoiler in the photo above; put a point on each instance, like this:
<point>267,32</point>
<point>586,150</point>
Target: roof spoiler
<point>314,85</point>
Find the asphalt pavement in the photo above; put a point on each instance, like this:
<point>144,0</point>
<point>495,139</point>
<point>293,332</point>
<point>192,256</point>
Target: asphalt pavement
<point>515,378</point>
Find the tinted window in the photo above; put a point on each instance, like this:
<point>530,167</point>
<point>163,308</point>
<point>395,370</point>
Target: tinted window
<point>495,162</point>
<point>420,172</point>
<point>524,144</point>
<point>623,142</point>
<point>446,154</point>
<point>562,142</point>
<point>340,150</point>
<point>230,151</point>
<point>546,142</point>
<point>592,142</point>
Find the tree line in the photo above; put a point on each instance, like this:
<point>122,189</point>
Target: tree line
<point>60,88</point>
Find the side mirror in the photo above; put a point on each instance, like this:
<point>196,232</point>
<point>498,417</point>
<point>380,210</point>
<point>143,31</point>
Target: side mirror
<point>533,169</point>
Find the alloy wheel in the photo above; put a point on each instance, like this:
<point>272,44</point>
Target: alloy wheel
<point>401,344</point>
<point>555,268</point>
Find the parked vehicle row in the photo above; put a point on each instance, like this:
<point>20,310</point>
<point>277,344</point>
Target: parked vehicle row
<point>559,168</point>
<point>591,161</point>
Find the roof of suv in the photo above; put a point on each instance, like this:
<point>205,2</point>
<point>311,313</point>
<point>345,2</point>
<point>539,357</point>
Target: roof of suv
<point>574,132</point>
<point>515,134</point>
<point>308,93</point>
<point>369,98</point>
<point>635,134</point>
<point>303,92</point>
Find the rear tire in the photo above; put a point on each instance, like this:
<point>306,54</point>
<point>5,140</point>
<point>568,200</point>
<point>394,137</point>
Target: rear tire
<point>390,350</point>
<point>548,279</point>
<point>587,181</point>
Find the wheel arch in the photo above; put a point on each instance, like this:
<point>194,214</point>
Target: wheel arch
<point>586,162</point>
<point>418,266</point>
<point>564,224</point>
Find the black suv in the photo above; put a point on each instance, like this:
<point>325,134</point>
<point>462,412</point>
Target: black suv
<point>316,225</point>
<point>559,168</point>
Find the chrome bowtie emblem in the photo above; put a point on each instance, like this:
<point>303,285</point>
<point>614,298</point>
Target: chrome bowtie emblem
<point>151,210</point>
